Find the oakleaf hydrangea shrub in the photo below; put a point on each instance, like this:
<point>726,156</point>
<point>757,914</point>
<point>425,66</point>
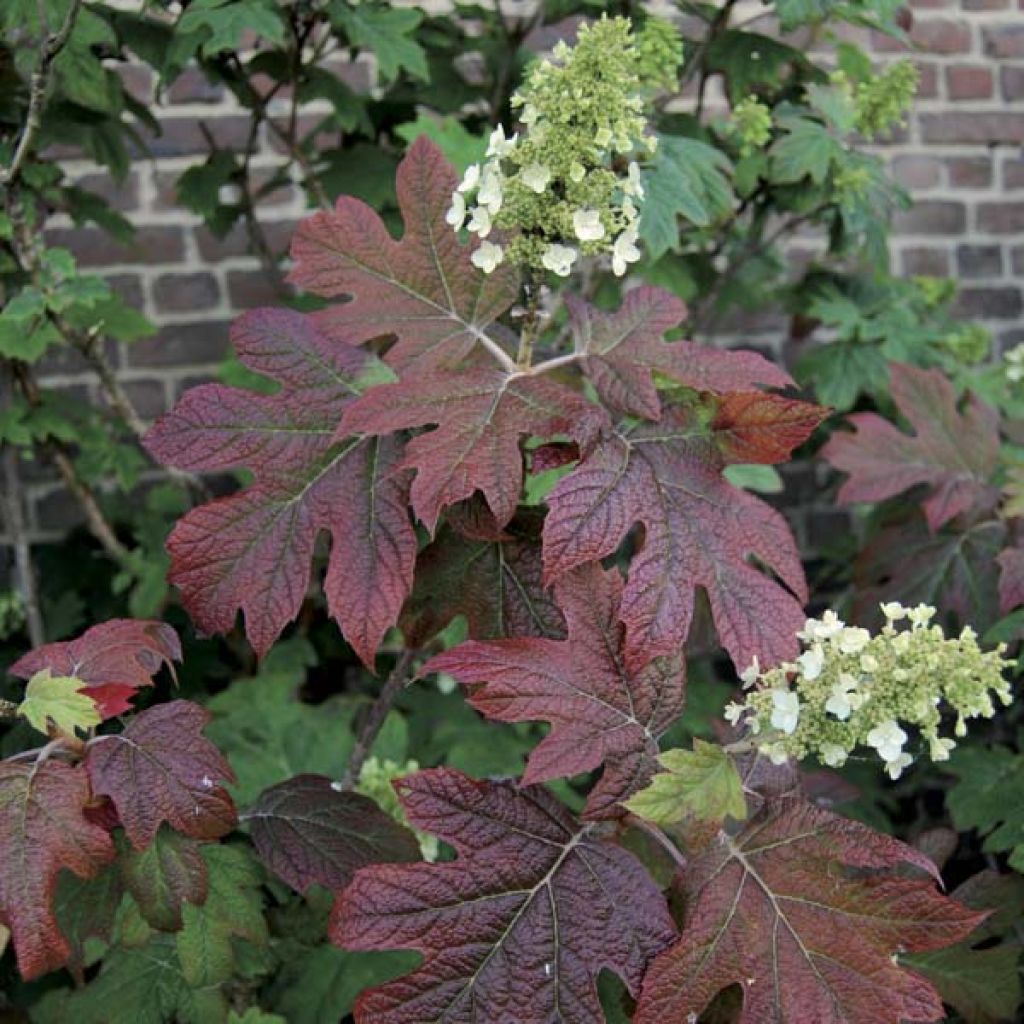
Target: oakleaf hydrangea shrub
<point>541,497</point>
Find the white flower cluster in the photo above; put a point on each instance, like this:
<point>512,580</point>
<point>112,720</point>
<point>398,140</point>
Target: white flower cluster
<point>850,688</point>
<point>1014,360</point>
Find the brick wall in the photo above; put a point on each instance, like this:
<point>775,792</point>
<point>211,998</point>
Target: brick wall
<point>961,157</point>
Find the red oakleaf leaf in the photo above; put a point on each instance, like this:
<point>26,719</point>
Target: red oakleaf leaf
<point>252,551</point>
<point>115,658</point>
<point>699,530</point>
<point>481,413</point>
<point>516,930</point>
<point>309,833</point>
<point>162,768</point>
<point>1011,579</point>
<point>806,912</point>
<point>750,426</point>
<point>495,581</point>
<point>422,289</point>
<point>623,351</point>
<point>600,713</point>
<point>955,453</point>
<point>42,830</point>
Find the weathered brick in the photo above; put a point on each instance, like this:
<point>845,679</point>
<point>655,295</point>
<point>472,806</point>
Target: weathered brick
<point>989,303</point>
<point>120,195</point>
<point>928,262</point>
<point>969,171</point>
<point>1011,82</point>
<point>1017,260</point>
<point>179,293</point>
<point>192,86</point>
<point>931,217</point>
<point>165,193</point>
<point>1001,218</point>
<point>147,397</point>
<point>57,510</point>
<point>932,35</point>
<point>236,243</point>
<point>1013,173</point>
<point>1003,40</point>
<point>128,286</point>
<point>183,136</point>
<point>95,248</point>
<point>250,288</point>
<point>982,126</point>
<point>976,261</point>
<point>182,345</point>
<point>928,80</point>
<point>984,5</point>
<point>969,82</point>
<point>917,171</point>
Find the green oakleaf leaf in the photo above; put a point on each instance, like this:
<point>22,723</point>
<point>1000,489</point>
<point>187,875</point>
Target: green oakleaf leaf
<point>687,177</point>
<point>224,21</point>
<point>702,783</point>
<point>807,149</point>
<point>57,698</point>
<point>386,31</point>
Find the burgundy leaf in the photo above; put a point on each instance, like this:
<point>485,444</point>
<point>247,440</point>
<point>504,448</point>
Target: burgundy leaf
<point>252,551</point>
<point>494,581</point>
<point>43,829</point>
<point>750,426</point>
<point>309,833</point>
<point>698,531</point>
<point>623,351</point>
<point>1011,579</point>
<point>115,658</point>
<point>599,711</point>
<point>805,912</point>
<point>516,930</point>
<point>481,413</point>
<point>422,289</point>
<point>954,453</point>
<point>162,768</point>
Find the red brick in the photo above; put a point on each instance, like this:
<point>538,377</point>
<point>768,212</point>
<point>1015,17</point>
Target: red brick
<point>984,127</point>
<point>989,303</point>
<point>180,293</point>
<point>1001,218</point>
<point>121,195</point>
<point>95,248</point>
<point>250,288</point>
<point>931,217</point>
<point>236,242</point>
<point>183,136</point>
<point>979,261</point>
<point>932,35</point>
<point>928,262</point>
<point>969,82</point>
<point>192,86</point>
<point>969,171</point>
<point>1013,173</point>
<point>1011,81</point>
<point>1003,40</point>
<point>181,345</point>
<point>917,171</point>
<point>928,81</point>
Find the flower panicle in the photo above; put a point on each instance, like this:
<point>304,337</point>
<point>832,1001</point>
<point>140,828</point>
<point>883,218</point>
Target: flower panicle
<point>849,688</point>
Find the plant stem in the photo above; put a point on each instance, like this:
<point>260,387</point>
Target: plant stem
<point>395,683</point>
<point>50,51</point>
<point>531,323</point>
<point>659,837</point>
<point>14,515</point>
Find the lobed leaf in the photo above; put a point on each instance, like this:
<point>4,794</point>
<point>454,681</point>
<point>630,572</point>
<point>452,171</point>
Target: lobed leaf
<point>806,913</point>
<point>252,551</point>
<point>422,290</point>
<point>699,530</point>
<point>165,876</point>
<point>622,352</point>
<point>516,930</point>
<point>43,829</point>
<point>481,413</point>
<point>600,712</point>
<point>58,699</point>
<point>309,833</point>
<point>113,659</point>
<point>162,768</point>
<point>954,453</point>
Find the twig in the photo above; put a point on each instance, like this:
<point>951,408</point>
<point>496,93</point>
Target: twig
<point>531,323</point>
<point>659,837</point>
<point>37,96</point>
<point>375,718</point>
<point>61,456</point>
<point>14,515</point>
